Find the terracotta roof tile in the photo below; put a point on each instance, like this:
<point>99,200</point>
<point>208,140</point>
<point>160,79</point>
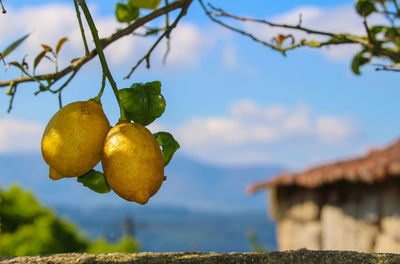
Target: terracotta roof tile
<point>376,165</point>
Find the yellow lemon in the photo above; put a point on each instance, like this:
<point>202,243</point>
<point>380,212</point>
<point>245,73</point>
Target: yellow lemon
<point>132,162</point>
<point>73,140</point>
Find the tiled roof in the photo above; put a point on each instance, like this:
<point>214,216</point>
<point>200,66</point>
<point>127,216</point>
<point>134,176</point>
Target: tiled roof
<point>376,165</point>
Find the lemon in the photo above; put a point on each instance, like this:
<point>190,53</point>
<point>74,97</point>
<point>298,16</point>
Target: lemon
<point>73,140</point>
<point>132,162</point>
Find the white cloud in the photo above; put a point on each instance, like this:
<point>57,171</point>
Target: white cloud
<point>331,130</point>
<point>187,46</point>
<point>252,133</point>
<point>50,22</point>
<point>229,57</point>
<point>19,135</point>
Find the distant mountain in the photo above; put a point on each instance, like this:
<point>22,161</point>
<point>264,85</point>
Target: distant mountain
<point>166,229</point>
<point>189,184</point>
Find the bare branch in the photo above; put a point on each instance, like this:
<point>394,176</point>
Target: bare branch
<point>166,33</point>
<point>393,67</point>
<point>167,36</point>
<point>78,14</point>
<point>3,10</point>
<point>221,13</point>
<point>182,4</point>
<point>334,39</point>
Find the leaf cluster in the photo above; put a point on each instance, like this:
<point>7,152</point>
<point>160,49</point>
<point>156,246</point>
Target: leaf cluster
<point>383,40</point>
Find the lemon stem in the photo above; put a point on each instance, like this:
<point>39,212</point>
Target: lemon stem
<point>103,84</point>
<point>99,49</point>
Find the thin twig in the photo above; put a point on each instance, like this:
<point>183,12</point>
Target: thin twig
<point>100,94</point>
<point>221,13</point>
<point>150,31</point>
<point>102,58</point>
<point>208,13</point>
<point>105,43</point>
<point>68,80</point>
<point>375,46</point>
<point>393,67</point>
<point>3,10</point>
<point>60,99</point>
<point>167,32</point>
<point>335,39</point>
<point>167,36</point>
<point>13,90</point>
<point>78,14</point>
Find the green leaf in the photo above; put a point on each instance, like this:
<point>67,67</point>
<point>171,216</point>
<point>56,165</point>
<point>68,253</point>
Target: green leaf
<point>60,44</point>
<point>148,4</point>
<point>126,13</point>
<point>14,45</point>
<point>38,59</point>
<point>314,44</point>
<point>46,47</point>
<point>143,103</point>
<point>359,60</point>
<point>365,7</point>
<point>168,144</point>
<point>15,64</point>
<point>95,181</point>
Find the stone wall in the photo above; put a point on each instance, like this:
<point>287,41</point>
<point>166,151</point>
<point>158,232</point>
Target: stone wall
<point>297,213</point>
<point>292,257</point>
<point>341,216</point>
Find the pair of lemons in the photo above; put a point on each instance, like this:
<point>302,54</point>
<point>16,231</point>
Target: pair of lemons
<point>79,135</point>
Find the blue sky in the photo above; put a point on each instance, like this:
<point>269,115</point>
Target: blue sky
<point>230,101</point>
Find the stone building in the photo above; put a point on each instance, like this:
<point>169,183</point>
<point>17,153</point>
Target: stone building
<point>347,205</point>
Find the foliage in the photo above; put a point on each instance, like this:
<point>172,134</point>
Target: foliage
<point>29,228</point>
<point>169,145</point>
<point>143,103</point>
<point>95,181</point>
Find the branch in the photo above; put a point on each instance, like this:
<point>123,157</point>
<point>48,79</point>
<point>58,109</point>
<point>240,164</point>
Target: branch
<point>376,47</point>
<point>78,14</point>
<point>102,58</point>
<point>393,68</point>
<point>335,39</point>
<point>166,33</point>
<point>168,38</point>
<point>77,63</point>
<point>209,14</point>
<point>221,13</point>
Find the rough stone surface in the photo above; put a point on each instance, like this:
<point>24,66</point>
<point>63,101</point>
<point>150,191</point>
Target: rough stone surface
<point>387,243</point>
<point>294,235</point>
<point>289,257</point>
<point>341,231</point>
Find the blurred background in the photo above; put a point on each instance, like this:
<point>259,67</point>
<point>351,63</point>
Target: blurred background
<point>241,113</point>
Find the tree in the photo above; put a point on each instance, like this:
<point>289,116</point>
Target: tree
<point>29,228</point>
<point>140,103</point>
<point>143,103</point>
